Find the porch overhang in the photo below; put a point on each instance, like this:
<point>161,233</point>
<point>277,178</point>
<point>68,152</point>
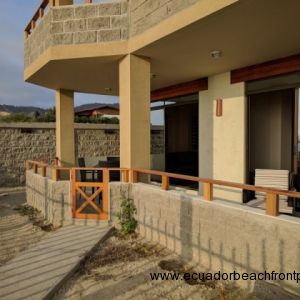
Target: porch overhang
<point>181,54</point>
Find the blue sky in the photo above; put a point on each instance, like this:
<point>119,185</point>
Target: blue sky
<point>14,15</point>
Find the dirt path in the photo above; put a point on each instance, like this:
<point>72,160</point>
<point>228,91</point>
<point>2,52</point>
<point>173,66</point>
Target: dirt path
<point>17,232</point>
<point>120,269</point>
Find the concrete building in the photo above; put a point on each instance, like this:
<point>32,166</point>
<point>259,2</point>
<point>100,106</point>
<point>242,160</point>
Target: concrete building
<point>228,73</point>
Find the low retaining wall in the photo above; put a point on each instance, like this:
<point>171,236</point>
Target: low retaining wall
<point>217,235</point>
<point>51,198</point>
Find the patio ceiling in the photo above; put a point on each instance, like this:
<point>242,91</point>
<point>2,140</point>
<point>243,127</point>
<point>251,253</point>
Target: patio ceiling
<point>247,33</point>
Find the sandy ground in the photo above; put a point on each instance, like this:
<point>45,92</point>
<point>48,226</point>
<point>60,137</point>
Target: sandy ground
<point>120,269</point>
<point>17,232</point>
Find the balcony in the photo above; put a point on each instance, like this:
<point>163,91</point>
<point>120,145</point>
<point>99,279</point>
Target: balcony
<point>73,25</point>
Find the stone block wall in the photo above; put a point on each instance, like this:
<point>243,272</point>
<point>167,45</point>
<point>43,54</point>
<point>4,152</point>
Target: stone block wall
<point>217,235</point>
<point>78,24</point>
<point>20,142</point>
<point>98,23</point>
<point>145,14</point>
<point>51,198</point>
<point>36,141</point>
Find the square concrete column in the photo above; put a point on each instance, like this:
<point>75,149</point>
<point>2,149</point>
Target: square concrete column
<point>134,78</point>
<point>65,140</point>
<point>222,139</point>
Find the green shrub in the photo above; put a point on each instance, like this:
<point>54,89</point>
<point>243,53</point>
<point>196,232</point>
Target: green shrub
<point>16,117</point>
<point>126,215</point>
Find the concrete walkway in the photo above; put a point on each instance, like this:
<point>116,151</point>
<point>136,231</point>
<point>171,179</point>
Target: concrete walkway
<point>37,272</point>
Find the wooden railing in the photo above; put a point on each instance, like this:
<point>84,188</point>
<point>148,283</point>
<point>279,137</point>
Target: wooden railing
<point>272,195</point>
<point>37,15</point>
<point>54,171</point>
<point>40,13</point>
<point>85,193</point>
<point>132,175</point>
<point>44,169</point>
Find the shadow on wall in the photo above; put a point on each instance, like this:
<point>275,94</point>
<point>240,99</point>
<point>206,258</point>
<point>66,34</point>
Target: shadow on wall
<point>219,238</point>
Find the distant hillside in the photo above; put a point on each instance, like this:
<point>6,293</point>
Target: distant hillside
<point>24,109</point>
<point>31,109</point>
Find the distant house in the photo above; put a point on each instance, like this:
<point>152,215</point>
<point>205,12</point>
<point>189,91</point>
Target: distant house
<point>103,110</point>
<point>4,113</point>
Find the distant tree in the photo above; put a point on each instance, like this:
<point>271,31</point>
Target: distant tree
<point>16,117</point>
<point>50,116</point>
<point>96,120</point>
<point>36,115</point>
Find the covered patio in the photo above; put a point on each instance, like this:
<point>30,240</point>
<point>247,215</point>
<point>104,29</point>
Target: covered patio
<point>210,49</point>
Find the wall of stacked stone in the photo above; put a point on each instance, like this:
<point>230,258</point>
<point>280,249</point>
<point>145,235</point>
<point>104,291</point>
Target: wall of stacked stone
<point>36,141</point>
<point>98,23</point>
<point>145,14</point>
<point>78,24</point>
<point>51,198</point>
<point>215,235</point>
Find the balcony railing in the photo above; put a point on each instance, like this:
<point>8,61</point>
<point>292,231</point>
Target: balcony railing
<point>40,13</point>
<point>272,195</point>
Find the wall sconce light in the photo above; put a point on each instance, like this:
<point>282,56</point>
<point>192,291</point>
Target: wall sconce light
<point>219,108</point>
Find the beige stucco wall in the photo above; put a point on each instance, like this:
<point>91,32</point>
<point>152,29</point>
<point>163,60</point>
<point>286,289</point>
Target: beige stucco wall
<point>222,140</point>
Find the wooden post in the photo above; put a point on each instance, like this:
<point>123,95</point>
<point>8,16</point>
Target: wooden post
<point>165,182</point>
<point>44,170</point>
<point>54,174</point>
<point>105,176</point>
<point>272,204</point>
<point>88,1</point>
<point>73,190</point>
<point>133,176</point>
<point>207,191</point>
<point>26,34</point>
<point>32,24</point>
<point>35,168</point>
<point>51,3</point>
<point>125,175</point>
<point>41,12</point>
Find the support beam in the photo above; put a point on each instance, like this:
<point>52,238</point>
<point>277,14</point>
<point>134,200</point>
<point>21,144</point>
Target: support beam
<point>134,81</point>
<point>267,69</point>
<point>182,89</point>
<point>65,141</point>
<point>63,2</point>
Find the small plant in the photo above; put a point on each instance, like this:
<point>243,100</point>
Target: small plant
<point>27,210</point>
<point>126,216</point>
<point>34,216</point>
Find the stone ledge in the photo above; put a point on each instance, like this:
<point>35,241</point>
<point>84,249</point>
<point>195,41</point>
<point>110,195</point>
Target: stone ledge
<point>41,125</point>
